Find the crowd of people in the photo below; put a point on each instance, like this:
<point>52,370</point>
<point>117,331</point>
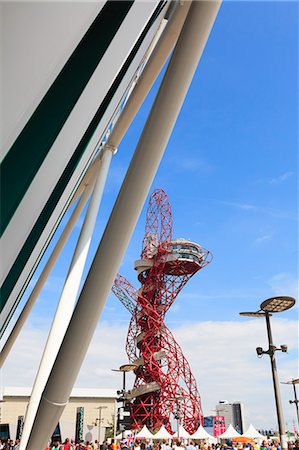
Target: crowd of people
<point>126,444</point>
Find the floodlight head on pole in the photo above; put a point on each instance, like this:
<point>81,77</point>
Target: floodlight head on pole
<point>277,304</point>
<point>296,381</point>
<point>274,305</point>
<point>128,367</point>
<point>252,314</point>
<point>295,401</point>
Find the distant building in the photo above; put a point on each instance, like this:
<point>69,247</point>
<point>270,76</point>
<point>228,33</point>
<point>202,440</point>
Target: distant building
<point>80,417</point>
<point>233,414</point>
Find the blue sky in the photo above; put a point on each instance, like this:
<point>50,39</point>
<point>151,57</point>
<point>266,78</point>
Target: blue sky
<point>230,166</point>
<point>230,170</point>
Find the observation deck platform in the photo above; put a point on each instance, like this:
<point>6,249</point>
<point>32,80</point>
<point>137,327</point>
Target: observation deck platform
<point>184,257</point>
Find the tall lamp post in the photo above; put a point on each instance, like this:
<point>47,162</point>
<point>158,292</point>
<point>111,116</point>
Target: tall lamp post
<point>99,420</point>
<point>295,401</point>
<point>177,415</point>
<point>273,305</point>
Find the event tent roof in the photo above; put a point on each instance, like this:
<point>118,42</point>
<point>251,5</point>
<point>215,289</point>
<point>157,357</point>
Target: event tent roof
<point>182,433</point>
<point>144,433</point>
<point>162,434</point>
<point>251,432</point>
<point>229,433</point>
<point>201,433</point>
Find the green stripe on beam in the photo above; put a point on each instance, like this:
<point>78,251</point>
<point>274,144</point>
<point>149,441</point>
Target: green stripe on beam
<point>31,147</point>
<point>38,228</point>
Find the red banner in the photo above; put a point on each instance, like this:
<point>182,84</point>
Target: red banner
<point>219,425</point>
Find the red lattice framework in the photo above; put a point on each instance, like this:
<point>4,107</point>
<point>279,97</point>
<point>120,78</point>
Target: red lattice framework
<point>164,383</point>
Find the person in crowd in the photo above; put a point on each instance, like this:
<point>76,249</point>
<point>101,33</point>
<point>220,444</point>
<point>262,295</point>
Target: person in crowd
<point>113,445</point>
<point>167,446</point>
<point>17,445</point>
<point>179,446</point>
<point>137,445</point>
<point>190,446</point>
<point>81,446</point>
<point>66,445</point>
<point>104,446</point>
<point>124,445</point>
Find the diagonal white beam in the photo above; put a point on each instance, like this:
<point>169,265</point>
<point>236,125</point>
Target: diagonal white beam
<point>68,296</point>
<point>46,271</point>
<point>147,78</point>
<point>123,218</point>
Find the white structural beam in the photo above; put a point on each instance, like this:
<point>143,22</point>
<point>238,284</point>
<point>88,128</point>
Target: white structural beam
<point>46,271</point>
<point>70,290</point>
<point>68,296</point>
<point>123,219</point>
<point>147,78</point>
<point>150,72</point>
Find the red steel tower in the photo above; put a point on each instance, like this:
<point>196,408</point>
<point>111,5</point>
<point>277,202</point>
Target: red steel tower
<point>164,383</point>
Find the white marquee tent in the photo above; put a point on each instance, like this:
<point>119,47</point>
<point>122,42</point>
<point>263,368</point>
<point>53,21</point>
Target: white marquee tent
<point>229,433</point>
<point>251,432</point>
<point>144,433</point>
<point>182,433</point>
<point>201,433</point>
<point>162,434</point>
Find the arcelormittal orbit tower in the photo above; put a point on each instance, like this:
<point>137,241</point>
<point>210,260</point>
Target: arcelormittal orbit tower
<point>164,384</point>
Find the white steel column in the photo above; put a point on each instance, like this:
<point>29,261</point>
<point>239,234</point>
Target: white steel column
<point>150,72</point>
<point>45,272</point>
<point>147,78</point>
<point>123,219</point>
<point>68,297</point>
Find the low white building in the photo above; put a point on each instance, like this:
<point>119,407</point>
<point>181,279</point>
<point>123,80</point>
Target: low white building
<point>90,406</point>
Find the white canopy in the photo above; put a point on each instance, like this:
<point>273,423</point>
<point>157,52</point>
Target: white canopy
<point>253,433</point>
<point>183,434</point>
<point>144,433</point>
<point>229,433</point>
<point>119,436</point>
<point>162,434</point>
<point>201,433</point>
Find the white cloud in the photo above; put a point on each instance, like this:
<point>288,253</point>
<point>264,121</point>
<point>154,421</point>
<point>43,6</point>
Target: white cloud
<point>188,163</point>
<point>284,284</point>
<point>245,206</point>
<point>263,238</point>
<point>281,178</point>
<point>221,355</point>
<point>271,212</point>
